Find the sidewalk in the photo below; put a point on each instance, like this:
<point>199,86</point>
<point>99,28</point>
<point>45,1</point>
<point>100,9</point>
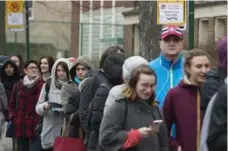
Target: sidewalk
<point>5,143</point>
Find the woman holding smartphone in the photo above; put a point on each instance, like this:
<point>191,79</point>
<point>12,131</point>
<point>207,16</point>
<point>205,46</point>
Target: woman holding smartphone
<point>128,124</point>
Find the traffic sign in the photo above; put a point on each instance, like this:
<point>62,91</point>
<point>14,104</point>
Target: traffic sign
<point>171,12</point>
<point>14,15</point>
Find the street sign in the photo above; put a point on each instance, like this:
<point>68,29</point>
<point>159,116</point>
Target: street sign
<point>14,15</point>
<point>171,12</point>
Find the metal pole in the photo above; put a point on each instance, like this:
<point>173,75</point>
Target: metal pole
<point>27,30</point>
<point>191,25</point>
<point>15,41</point>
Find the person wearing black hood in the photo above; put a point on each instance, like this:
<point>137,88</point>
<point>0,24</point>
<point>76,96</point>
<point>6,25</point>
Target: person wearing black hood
<point>18,60</point>
<point>215,78</point>
<point>9,76</point>
<point>92,84</point>
<point>112,76</point>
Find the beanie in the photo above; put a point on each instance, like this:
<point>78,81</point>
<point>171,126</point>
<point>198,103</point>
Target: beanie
<point>130,64</point>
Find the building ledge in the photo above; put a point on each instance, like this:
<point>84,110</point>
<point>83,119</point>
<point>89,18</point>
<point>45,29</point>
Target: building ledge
<point>208,3</point>
<point>133,12</point>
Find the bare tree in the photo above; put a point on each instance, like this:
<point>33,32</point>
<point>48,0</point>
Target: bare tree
<point>149,30</point>
<point>2,28</point>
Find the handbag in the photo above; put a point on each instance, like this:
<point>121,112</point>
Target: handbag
<point>64,143</point>
<point>10,131</point>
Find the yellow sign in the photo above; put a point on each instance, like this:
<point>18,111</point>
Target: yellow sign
<point>171,12</point>
<point>14,15</point>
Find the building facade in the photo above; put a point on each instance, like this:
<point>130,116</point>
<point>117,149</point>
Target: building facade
<point>210,24</point>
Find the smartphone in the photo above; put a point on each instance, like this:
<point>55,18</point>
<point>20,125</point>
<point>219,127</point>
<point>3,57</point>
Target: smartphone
<point>158,123</point>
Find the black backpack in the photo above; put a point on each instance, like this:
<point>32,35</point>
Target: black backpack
<point>39,126</point>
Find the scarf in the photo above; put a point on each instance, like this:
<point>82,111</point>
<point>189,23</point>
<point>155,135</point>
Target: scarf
<point>78,81</point>
<point>59,83</point>
<point>29,83</point>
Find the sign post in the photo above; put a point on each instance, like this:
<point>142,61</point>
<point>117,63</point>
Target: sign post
<point>14,15</point>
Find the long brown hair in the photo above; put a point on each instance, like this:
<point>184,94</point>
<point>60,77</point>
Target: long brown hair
<point>130,91</point>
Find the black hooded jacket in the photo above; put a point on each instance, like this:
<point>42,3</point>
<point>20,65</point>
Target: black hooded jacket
<point>97,89</point>
<point>9,81</point>
<point>215,79</point>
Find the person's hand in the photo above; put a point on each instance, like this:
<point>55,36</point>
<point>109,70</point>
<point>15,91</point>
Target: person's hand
<point>46,106</point>
<point>179,148</point>
<point>147,131</point>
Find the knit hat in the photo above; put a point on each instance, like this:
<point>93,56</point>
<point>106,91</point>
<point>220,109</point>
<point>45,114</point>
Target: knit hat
<point>130,64</point>
<point>113,68</point>
<point>83,60</point>
<point>221,48</point>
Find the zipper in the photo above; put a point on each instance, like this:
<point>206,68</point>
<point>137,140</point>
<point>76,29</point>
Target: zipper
<point>198,121</point>
<point>171,76</point>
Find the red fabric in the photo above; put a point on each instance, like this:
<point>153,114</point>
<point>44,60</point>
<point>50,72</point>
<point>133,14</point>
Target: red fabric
<point>180,108</point>
<point>68,144</point>
<point>24,115</point>
<point>133,139</point>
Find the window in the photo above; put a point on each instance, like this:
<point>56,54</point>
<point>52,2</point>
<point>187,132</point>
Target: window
<point>220,28</point>
<point>203,31</point>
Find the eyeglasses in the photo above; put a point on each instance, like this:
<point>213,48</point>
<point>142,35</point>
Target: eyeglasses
<point>83,69</point>
<point>31,68</point>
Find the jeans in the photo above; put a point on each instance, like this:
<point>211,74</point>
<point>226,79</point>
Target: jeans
<point>28,144</point>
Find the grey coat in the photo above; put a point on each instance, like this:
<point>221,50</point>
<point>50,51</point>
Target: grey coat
<point>114,130</point>
<point>3,98</point>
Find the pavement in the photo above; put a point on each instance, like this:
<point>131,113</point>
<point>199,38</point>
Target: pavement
<point>5,143</point>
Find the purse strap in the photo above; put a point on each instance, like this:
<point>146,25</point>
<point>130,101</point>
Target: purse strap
<point>66,131</point>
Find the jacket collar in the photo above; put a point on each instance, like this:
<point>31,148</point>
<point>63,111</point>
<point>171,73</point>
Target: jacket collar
<point>187,83</point>
<point>167,63</point>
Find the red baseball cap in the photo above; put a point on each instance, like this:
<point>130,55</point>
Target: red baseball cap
<point>171,30</point>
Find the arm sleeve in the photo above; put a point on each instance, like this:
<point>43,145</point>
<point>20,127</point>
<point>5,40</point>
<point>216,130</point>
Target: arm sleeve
<point>86,96</point>
<point>168,111</point>
<point>217,133</point>
<point>132,140</point>
<point>72,105</point>
<point>65,93</point>
<point>12,102</point>
<point>112,136</point>
<point>3,98</point>
<point>207,90</point>
<point>40,104</point>
<point>98,107</point>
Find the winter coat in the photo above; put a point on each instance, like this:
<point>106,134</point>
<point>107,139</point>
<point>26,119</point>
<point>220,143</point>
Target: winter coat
<point>115,126</point>
<point>22,109</point>
<point>217,133</point>
<point>206,123</point>
<point>182,108</point>
<point>72,107</point>
<point>86,96</point>
<point>114,94</point>
<point>111,77</point>
<point>53,120</point>
<point>72,85</point>
<point>169,74</point>
<point>3,99</point>
<point>215,79</point>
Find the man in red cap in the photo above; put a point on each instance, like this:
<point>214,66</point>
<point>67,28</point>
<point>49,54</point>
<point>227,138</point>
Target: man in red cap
<point>169,65</point>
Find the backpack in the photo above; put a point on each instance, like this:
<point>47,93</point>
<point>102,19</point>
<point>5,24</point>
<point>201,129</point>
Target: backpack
<point>39,126</point>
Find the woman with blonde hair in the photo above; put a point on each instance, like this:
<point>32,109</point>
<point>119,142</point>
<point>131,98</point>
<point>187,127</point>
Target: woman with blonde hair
<point>130,123</point>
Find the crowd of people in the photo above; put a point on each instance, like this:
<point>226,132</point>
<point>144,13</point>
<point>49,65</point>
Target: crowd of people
<point>175,102</point>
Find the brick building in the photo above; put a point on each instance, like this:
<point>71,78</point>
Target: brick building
<point>210,24</point>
